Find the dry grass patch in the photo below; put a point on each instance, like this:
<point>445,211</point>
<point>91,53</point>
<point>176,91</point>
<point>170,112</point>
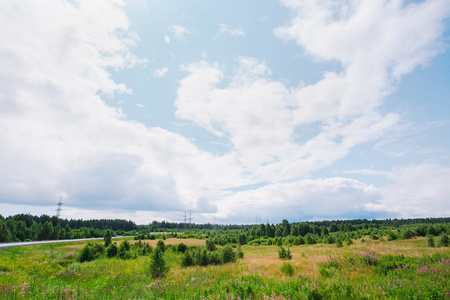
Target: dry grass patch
<point>173,241</point>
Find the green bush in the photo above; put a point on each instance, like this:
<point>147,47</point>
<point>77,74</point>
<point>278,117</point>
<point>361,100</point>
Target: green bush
<point>90,252</point>
<point>443,240</point>
<point>187,260</point>
<point>430,241</point>
<point>158,268</point>
<point>111,251</point>
<point>239,253</point>
<point>228,255</point>
<point>287,269</point>
<point>284,254</point>
<point>161,246</point>
<point>215,258</point>
<point>181,248</point>
<point>210,245</point>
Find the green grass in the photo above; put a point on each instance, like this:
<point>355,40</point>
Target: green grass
<point>376,270</point>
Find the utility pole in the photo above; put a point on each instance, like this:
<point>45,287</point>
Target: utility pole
<point>185,220</point>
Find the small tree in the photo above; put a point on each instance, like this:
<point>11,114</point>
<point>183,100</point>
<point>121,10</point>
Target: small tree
<point>111,251</point>
<point>210,245</point>
<point>239,252</point>
<point>158,266</point>
<point>284,254</point>
<point>287,269</point>
<point>228,255</point>
<point>187,260</point>
<point>107,237</point>
<point>161,246</point>
<point>430,241</point>
<point>443,240</point>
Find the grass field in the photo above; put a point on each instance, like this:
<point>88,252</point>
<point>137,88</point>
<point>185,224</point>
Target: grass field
<point>401,269</point>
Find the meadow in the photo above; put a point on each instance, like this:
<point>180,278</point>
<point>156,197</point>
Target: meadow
<point>372,269</point>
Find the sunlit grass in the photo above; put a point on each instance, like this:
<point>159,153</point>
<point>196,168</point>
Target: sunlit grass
<point>373,269</point>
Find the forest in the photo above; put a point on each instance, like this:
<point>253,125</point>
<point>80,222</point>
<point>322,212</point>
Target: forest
<point>25,227</point>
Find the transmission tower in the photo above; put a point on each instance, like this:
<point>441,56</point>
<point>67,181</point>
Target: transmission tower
<point>58,210</point>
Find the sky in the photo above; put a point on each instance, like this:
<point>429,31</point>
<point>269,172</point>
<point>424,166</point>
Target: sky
<point>235,112</point>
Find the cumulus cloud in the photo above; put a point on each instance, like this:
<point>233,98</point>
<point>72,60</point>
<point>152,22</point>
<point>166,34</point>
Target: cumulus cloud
<point>419,190</point>
<point>374,42</point>
<point>328,198</point>
<point>179,31</point>
<point>161,72</point>
<point>59,136</point>
<point>225,28</point>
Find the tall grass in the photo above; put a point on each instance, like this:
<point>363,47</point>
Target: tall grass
<point>376,270</point>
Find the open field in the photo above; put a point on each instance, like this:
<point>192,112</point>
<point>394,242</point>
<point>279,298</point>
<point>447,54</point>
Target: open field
<point>401,269</point>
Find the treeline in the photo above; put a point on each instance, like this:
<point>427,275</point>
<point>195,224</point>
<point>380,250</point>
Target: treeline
<point>25,227</point>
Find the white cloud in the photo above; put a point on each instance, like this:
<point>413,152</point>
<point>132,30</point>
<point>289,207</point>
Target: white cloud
<point>167,39</point>
<point>161,72</point>
<point>307,199</point>
<point>59,136</point>
<point>417,191</point>
<point>179,31</point>
<point>140,105</point>
<point>225,28</point>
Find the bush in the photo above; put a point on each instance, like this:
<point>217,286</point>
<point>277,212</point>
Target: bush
<point>284,254</point>
<point>430,241</point>
<point>90,252</point>
<point>181,248</point>
<point>161,246</point>
<point>158,268</point>
<point>215,258</point>
<point>443,240</point>
<point>287,269</point>
<point>124,250</point>
<point>239,253</point>
<point>111,251</point>
<point>107,237</point>
<point>210,245</point>
<point>228,255</point>
<point>187,260</point>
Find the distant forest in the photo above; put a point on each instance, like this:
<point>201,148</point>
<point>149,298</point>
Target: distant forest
<point>25,227</point>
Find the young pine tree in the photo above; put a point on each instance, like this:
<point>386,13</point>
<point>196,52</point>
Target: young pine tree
<point>158,266</point>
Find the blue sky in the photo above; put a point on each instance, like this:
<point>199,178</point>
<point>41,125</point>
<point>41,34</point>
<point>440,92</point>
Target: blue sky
<point>236,111</point>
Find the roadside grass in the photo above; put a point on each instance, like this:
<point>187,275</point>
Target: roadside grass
<point>401,269</point>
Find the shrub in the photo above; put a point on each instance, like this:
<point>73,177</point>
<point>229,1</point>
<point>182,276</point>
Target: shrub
<point>239,253</point>
<point>284,254</point>
<point>430,241</point>
<point>161,246</point>
<point>391,236</point>
<point>210,245</point>
<point>107,237</point>
<point>90,252</point>
<point>158,267</point>
<point>124,250</point>
<point>111,251</point>
<point>443,240</point>
<point>181,248</point>
<point>215,258</point>
<point>287,269</point>
<point>228,255</point>
<point>187,260</point>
